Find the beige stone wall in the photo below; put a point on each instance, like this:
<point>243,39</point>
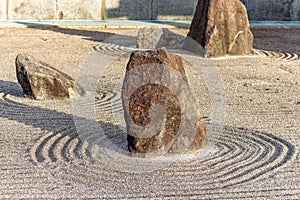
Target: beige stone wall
<point>51,9</point>
<point>2,9</point>
<point>30,9</point>
<point>135,9</point>
<point>97,9</point>
<point>78,9</point>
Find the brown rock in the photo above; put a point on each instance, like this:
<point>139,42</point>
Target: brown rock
<point>222,28</point>
<point>41,81</point>
<point>160,111</point>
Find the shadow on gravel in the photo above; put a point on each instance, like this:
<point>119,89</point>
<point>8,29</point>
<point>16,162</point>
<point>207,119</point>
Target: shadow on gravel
<point>92,35</point>
<point>11,88</point>
<point>60,125</point>
<point>277,39</point>
<point>262,152</point>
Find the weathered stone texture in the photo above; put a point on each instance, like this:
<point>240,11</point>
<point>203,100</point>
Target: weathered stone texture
<point>160,111</point>
<point>41,81</point>
<point>222,28</point>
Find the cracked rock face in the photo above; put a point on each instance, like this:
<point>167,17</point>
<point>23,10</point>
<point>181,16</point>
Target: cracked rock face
<point>41,81</point>
<point>222,28</point>
<point>160,110</point>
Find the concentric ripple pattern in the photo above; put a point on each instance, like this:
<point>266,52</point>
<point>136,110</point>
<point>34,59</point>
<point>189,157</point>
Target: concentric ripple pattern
<point>277,55</point>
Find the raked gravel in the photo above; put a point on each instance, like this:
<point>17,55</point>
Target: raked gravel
<point>256,156</point>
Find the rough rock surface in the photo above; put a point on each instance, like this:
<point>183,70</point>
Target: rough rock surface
<point>222,28</point>
<point>41,81</point>
<point>160,111</point>
<point>155,38</point>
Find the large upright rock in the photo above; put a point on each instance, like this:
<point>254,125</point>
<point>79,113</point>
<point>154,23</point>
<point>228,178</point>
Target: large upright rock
<point>160,110</point>
<point>222,28</point>
<point>41,81</point>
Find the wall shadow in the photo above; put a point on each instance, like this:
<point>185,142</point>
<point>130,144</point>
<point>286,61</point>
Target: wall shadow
<point>152,9</point>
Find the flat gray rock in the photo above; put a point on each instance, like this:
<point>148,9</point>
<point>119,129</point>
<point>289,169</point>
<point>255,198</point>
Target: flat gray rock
<point>155,38</point>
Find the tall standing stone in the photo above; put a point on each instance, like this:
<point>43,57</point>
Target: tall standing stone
<point>222,28</point>
<point>160,110</point>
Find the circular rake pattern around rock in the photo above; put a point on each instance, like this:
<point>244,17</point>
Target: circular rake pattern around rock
<point>108,100</point>
<point>63,146</point>
<point>243,156</point>
<point>277,55</point>
<point>59,141</point>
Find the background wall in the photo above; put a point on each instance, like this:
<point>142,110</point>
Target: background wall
<point>135,9</point>
<point>128,9</point>
<point>2,9</point>
<point>273,9</point>
<point>50,9</point>
<point>150,9</point>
